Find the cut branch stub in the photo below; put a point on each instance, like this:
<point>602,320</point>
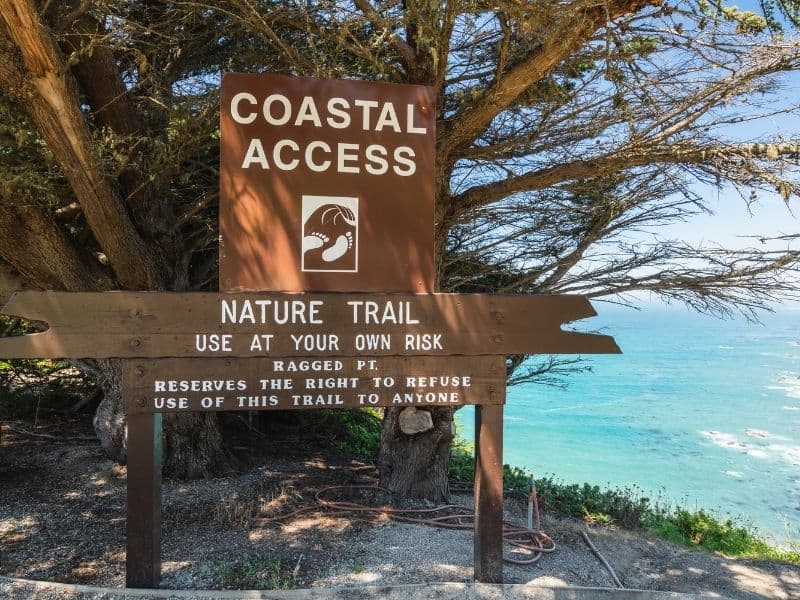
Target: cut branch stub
<point>415,421</point>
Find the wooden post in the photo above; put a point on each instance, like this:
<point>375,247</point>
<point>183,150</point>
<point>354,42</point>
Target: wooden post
<point>488,554</point>
<point>143,558</point>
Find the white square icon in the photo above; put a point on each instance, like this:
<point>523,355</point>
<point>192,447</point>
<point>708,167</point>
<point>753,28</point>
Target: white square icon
<point>329,234</point>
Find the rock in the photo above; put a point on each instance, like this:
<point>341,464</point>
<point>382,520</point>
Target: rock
<point>415,421</point>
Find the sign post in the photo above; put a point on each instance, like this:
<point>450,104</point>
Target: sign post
<point>198,351</point>
<point>143,556</point>
<point>325,187</point>
<point>488,543</point>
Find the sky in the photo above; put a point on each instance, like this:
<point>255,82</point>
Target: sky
<point>734,220</point>
<point>770,215</point>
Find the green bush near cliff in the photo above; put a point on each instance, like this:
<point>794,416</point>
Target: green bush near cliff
<point>631,509</point>
<point>624,507</point>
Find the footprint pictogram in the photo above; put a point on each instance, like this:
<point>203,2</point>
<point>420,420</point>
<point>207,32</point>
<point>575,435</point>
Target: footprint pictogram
<point>315,240</point>
<point>342,244</point>
<point>329,238</point>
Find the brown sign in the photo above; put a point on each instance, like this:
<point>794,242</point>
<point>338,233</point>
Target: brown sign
<point>163,324</point>
<point>177,385</point>
<point>325,185</point>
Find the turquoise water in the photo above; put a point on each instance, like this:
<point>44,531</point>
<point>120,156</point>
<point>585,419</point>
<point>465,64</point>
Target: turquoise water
<point>697,410</point>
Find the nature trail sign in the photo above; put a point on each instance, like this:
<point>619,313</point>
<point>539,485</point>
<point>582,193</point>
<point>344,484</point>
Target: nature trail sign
<point>164,324</point>
<point>325,186</point>
<point>199,351</point>
<point>174,385</point>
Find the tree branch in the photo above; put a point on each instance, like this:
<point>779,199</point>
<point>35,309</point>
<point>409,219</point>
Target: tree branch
<point>48,95</point>
<point>406,52</point>
<point>482,195</point>
<point>96,71</point>
<point>43,253</point>
<point>559,42</point>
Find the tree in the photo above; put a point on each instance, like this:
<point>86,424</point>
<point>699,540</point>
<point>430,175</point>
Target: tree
<point>568,134</point>
<point>85,170</point>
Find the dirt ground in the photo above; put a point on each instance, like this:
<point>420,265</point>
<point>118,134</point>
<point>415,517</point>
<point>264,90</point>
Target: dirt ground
<point>62,518</point>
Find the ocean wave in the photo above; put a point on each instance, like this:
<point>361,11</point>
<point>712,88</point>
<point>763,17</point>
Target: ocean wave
<point>735,474</point>
<point>791,407</point>
<point>779,355</point>
<point>790,454</point>
<point>731,442</point>
<point>788,383</point>
<point>763,434</point>
<point>771,451</point>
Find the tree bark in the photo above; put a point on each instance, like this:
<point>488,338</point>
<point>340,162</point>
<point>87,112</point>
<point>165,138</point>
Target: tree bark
<point>47,89</point>
<point>97,73</point>
<point>193,446</point>
<point>416,466</point>
<point>42,252</point>
<point>139,248</point>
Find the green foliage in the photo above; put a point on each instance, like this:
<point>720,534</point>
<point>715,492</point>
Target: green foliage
<point>27,385</point>
<point>252,572</point>
<point>747,22</point>
<point>625,507</point>
<point>699,528</point>
<point>362,431</point>
<point>462,461</point>
<point>776,10</point>
<point>353,432</point>
<point>629,508</point>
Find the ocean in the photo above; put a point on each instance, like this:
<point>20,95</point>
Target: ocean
<point>697,411</point>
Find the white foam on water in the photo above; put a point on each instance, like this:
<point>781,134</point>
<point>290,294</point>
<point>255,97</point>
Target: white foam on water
<point>734,474</point>
<point>791,407</point>
<point>790,454</point>
<point>758,433</point>
<point>756,452</point>
<point>778,355</point>
<point>789,384</point>
<point>725,440</point>
<point>782,452</point>
<point>763,434</point>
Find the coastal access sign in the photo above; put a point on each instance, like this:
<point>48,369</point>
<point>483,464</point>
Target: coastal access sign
<point>325,185</point>
<point>326,188</point>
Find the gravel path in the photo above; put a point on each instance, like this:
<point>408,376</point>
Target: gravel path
<point>62,518</point>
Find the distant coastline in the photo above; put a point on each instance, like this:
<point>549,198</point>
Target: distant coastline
<point>697,411</point>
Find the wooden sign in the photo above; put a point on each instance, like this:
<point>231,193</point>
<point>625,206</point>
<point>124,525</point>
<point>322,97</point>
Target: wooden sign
<point>325,184</point>
<point>212,384</point>
<point>162,324</point>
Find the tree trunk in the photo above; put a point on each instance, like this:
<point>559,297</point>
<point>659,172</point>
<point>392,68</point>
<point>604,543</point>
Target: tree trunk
<point>128,216</point>
<point>193,445</point>
<point>416,466</point>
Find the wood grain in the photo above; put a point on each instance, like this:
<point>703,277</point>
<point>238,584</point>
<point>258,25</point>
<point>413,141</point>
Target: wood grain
<point>180,385</point>
<point>162,324</point>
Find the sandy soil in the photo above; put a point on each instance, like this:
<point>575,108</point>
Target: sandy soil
<point>62,518</point>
